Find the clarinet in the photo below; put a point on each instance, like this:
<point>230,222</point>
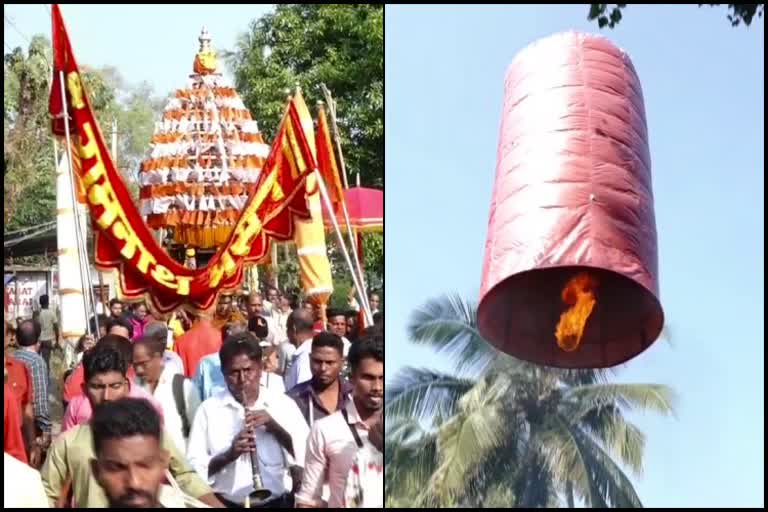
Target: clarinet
<point>260,494</point>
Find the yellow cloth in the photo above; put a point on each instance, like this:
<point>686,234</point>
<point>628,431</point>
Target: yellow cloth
<point>314,267</point>
<point>174,324</point>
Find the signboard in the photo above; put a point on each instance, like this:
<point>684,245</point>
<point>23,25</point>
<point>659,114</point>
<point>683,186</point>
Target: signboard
<point>23,293</point>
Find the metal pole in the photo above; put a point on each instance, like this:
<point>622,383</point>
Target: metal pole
<point>337,230</point>
<point>352,241</point>
<point>78,234</point>
<point>82,215</point>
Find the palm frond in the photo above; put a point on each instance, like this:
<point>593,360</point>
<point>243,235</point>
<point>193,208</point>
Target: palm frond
<point>424,394</point>
<point>645,397</point>
<point>622,439</point>
<point>580,377</point>
<point>466,440</point>
<point>563,458</point>
<point>406,430</point>
<point>449,325</point>
<point>409,459</point>
<point>607,482</point>
<point>534,486</point>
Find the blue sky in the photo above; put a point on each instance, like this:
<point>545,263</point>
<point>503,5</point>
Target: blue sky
<point>152,43</point>
<point>703,83</point>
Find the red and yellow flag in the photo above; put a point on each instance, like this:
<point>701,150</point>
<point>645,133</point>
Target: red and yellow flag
<point>122,239</point>
<point>314,267</point>
<point>326,161</point>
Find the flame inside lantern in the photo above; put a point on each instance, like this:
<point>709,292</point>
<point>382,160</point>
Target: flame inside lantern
<point>578,293</point>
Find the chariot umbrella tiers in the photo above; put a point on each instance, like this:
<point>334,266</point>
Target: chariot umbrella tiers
<point>570,274</point>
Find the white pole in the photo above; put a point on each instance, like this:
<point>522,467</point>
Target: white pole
<point>114,141</point>
<point>337,230</point>
<point>83,255</point>
<point>72,300</point>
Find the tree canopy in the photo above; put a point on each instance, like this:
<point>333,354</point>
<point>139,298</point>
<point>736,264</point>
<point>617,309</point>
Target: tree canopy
<point>338,45</point>
<point>29,189</point>
<point>738,13</point>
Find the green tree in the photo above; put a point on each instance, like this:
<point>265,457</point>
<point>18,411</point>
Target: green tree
<point>29,176</point>
<point>28,191</point>
<point>498,430</point>
<point>339,45</point>
<point>738,13</point>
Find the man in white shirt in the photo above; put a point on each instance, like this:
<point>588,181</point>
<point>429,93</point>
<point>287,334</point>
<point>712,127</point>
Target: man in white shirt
<point>176,394</point>
<point>49,329</point>
<point>257,311</point>
<point>160,331</point>
<point>248,419</point>
<point>276,310</point>
<point>300,333</point>
<point>337,324</point>
<point>339,450</point>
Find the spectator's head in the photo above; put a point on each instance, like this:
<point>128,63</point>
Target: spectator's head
<point>44,301</point>
<point>85,343</point>
<point>373,300</point>
<point>232,328</point>
<point>269,358</point>
<point>28,335</point>
<point>351,317</point>
<point>103,320</point>
<point>129,461</point>
<point>326,359</point>
<point>255,304</point>
<point>241,360</point>
<point>366,359</point>
<point>378,318</point>
<point>140,311</point>
<point>273,295</point>
<point>337,322</point>
<point>224,305</point>
<point>122,345</point>
<point>258,326</point>
<point>148,358</point>
<point>10,334</point>
<point>116,307</point>
<point>120,326</point>
<point>105,375</point>
<point>287,301</point>
<point>299,325</point>
<point>310,306</point>
<point>157,330</point>
<point>292,301</point>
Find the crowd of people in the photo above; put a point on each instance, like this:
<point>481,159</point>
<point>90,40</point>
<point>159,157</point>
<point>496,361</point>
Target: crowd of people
<point>260,404</point>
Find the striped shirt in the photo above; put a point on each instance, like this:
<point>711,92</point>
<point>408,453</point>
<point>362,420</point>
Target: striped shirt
<point>39,372</point>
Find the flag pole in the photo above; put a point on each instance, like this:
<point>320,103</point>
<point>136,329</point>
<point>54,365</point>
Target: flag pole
<point>335,132</point>
<point>82,254</point>
<point>340,238</point>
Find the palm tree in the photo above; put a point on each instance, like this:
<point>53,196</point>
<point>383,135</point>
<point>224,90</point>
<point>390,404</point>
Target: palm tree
<point>498,431</point>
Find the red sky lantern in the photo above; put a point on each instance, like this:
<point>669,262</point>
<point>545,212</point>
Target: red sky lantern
<point>570,275</point>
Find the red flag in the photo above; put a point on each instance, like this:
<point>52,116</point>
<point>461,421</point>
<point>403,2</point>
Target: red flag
<point>63,61</point>
<point>326,162</point>
<point>124,242</point>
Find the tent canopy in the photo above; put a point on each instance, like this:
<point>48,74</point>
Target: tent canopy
<point>365,207</point>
